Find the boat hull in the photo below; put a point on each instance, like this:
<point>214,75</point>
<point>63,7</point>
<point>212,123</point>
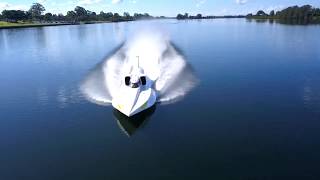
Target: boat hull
<point>133,101</point>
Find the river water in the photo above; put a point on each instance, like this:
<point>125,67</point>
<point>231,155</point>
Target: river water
<point>254,113</point>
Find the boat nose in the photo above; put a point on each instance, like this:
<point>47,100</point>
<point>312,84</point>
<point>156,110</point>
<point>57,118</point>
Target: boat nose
<point>126,106</point>
<point>128,112</point>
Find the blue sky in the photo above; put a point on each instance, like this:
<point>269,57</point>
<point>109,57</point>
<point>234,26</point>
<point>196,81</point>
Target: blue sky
<point>160,7</point>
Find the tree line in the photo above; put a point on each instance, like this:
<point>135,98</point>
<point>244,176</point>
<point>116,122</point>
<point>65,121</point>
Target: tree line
<point>200,16</point>
<point>79,14</point>
<point>186,16</point>
<point>305,13</point>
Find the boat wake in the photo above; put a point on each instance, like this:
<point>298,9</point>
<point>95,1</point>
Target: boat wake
<point>161,61</point>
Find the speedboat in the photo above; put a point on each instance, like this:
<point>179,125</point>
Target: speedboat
<point>136,93</point>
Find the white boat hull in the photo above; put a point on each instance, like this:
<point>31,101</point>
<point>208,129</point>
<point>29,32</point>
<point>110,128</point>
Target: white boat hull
<point>130,101</point>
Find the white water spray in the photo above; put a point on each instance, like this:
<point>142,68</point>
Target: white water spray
<point>159,59</point>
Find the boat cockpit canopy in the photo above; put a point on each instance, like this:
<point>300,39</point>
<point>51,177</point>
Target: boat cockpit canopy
<point>135,82</point>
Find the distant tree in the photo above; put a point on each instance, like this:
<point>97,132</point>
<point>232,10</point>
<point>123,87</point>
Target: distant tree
<point>141,16</point>
<point>13,15</point>
<point>146,15</point>
<point>91,16</point>
<point>317,12</point>
<point>305,12</point>
<point>48,17</point>
<point>28,15</point>
<point>102,16</point>
<point>199,16</point>
<point>261,13</point>
<point>180,16</point>
<point>186,15</point>
<point>138,16</point>
<point>109,15</point>
<point>272,13</point>
<point>36,10</point>
<point>60,17</point>
<point>294,14</point>
<point>126,16</point>
<point>81,13</point>
<point>116,17</point>
<point>54,17</point>
<point>71,16</point>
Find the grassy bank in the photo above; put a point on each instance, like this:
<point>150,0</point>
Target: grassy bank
<point>8,25</point>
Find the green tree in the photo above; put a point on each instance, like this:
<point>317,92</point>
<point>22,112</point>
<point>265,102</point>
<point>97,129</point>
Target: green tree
<point>109,15</point>
<point>71,16</point>
<point>317,12</point>
<point>180,16</point>
<point>105,16</point>
<point>102,16</point>
<point>186,15</point>
<point>36,10</point>
<point>126,16</point>
<point>81,13</point>
<point>116,17</point>
<point>261,13</point>
<point>48,17</point>
<point>13,15</point>
<point>272,13</point>
<point>28,15</point>
<point>91,16</point>
<point>60,17</point>
<point>146,15</point>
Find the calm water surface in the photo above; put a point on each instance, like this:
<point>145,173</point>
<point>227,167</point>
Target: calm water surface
<point>254,115</point>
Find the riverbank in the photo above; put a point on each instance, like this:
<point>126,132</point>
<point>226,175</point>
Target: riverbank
<point>293,21</point>
<point>306,14</point>
<point>9,25</point>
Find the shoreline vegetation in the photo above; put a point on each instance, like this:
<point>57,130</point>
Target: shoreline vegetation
<point>199,16</point>
<point>292,15</point>
<point>35,17</point>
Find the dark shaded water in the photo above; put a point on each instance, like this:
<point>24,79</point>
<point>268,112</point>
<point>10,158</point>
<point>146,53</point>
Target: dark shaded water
<point>254,115</point>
